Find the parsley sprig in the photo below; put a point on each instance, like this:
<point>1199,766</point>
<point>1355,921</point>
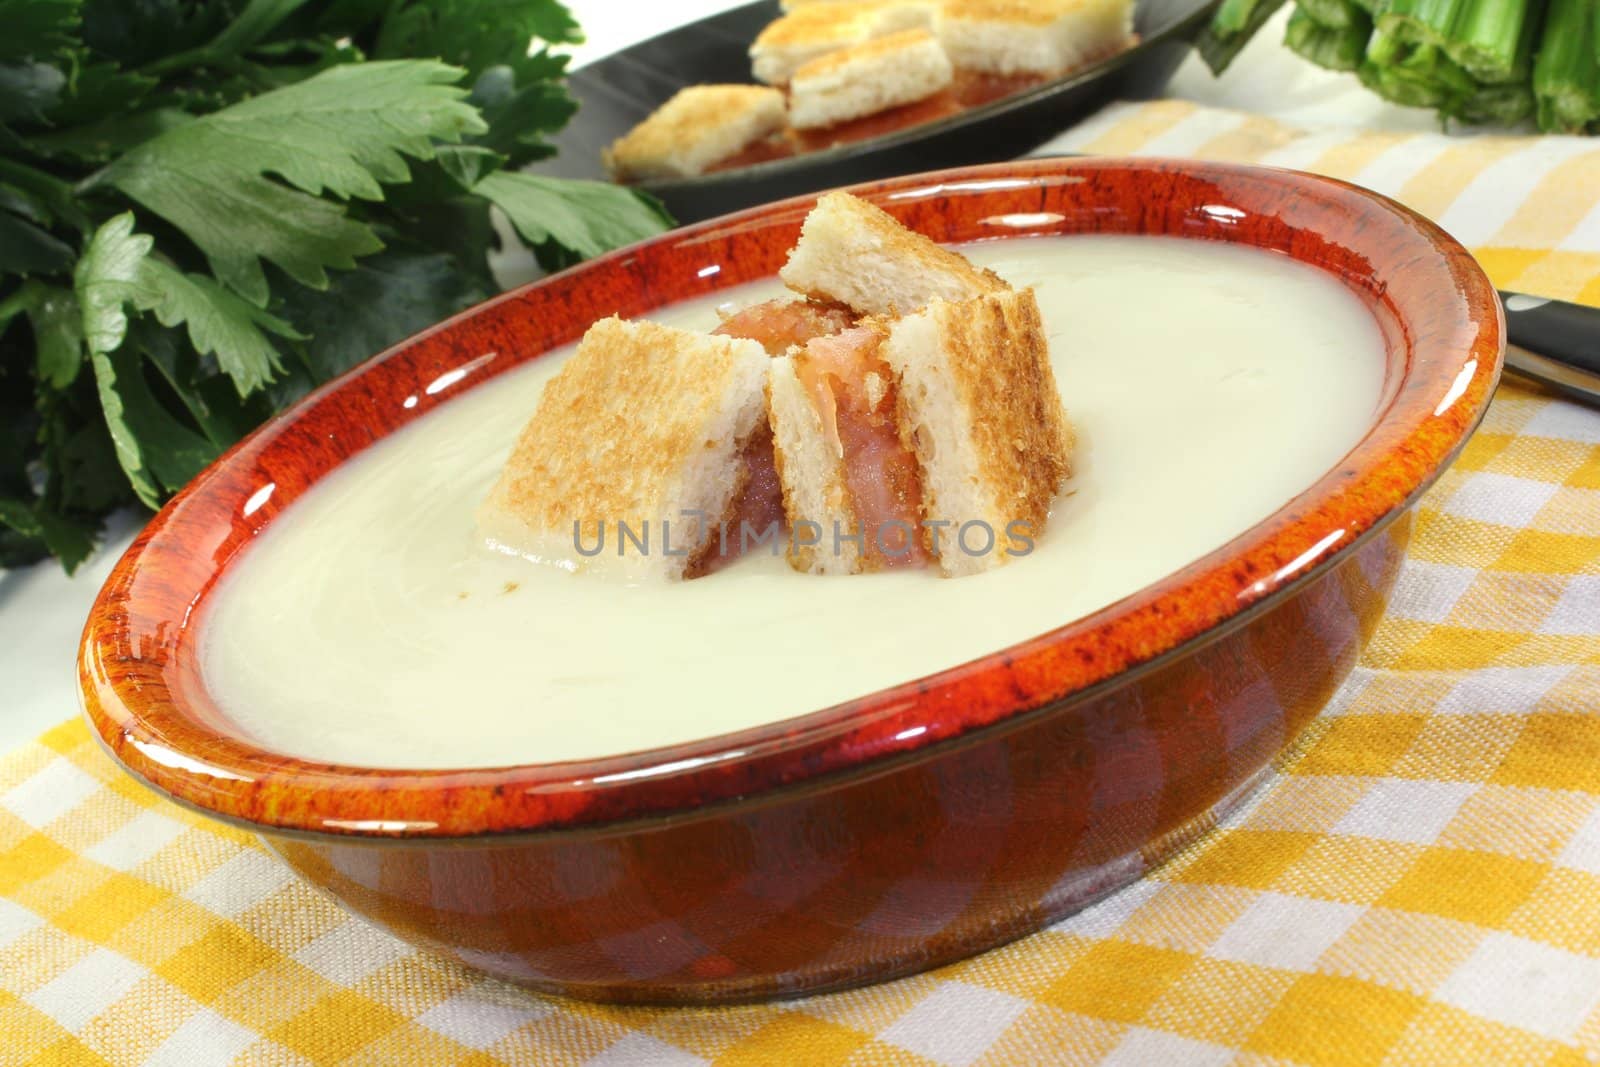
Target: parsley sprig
<point>207,207</point>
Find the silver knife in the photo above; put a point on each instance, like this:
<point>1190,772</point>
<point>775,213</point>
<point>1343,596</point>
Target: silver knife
<point>1554,342</point>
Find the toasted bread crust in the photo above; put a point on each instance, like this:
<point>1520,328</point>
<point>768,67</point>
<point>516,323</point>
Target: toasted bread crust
<point>979,406</point>
<point>1014,12</point>
<point>867,78</point>
<point>809,31</point>
<point>642,422</point>
<point>699,127</point>
<point>1001,362</point>
<point>831,22</point>
<point>884,47</point>
<point>854,253</point>
<point>1039,37</point>
<point>805,34</point>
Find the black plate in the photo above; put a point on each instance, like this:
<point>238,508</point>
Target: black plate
<point>616,92</point>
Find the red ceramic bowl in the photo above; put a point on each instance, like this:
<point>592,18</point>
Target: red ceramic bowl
<point>901,830</point>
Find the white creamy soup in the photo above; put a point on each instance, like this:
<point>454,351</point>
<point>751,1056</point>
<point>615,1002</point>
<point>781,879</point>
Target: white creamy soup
<point>1208,384</point>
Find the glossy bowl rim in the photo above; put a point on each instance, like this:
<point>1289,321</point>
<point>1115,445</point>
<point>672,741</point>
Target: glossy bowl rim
<point>217,772</point>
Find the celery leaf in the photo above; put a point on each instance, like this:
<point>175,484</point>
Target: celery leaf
<point>343,132</point>
<point>564,220</point>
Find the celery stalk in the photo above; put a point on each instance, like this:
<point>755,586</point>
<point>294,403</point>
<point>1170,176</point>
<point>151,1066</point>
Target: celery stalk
<point>1235,22</point>
<point>1566,76</point>
<point>1503,104</point>
<point>1490,39</point>
<point>1420,22</point>
<point>1400,90</point>
<point>1413,74</point>
<point>1336,48</point>
<point>1334,14</point>
<point>1493,39</point>
<point>1495,61</point>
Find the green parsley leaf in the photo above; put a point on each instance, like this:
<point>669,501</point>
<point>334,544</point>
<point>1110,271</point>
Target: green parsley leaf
<point>158,453</point>
<point>256,21</point>
<point>36,28</point>
<point>219,412</point>
<point>82,477</point>
<point>135,32</point>
<point>106,276</point>
<point>218,322</point>
<point>99,93</point>
<point>27,249</point>
<point>389,297</point>
<point>58,336</point>
<point>45,191</point>
<point>19,410</point>
<point>559,218</point>
<point>96,142</point>
<point>461,227</point>
<point>343,131</point>
<point>247,133</point>
<point>28,90</point>
<point>57,325</point>
<point>466,165</point>
<point>475,34</point>
<point>520,112</point>
<point>23,204</point>
<point>68,541</point>
<point>452,172</point>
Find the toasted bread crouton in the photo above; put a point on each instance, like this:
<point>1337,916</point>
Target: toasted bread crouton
<point>698,128</point>
<point>815,29</point>
<point>1044,37</point>
<point>867,78</point>
<point>644,425</point>
<point>979,405</point>
<point>855,254</point>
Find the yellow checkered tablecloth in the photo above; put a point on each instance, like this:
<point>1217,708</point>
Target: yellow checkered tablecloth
<point>1419,883</point>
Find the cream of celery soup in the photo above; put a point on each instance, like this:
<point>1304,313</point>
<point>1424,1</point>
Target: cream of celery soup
<point>1208,385</point>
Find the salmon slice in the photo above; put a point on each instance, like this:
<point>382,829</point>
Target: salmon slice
<point>854,392</point>
<point>782,324</point>
<point>778,325</point>
<point>758,505</point>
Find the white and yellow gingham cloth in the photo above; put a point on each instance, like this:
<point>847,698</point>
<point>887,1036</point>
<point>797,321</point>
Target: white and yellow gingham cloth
<point>1418,884</point>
